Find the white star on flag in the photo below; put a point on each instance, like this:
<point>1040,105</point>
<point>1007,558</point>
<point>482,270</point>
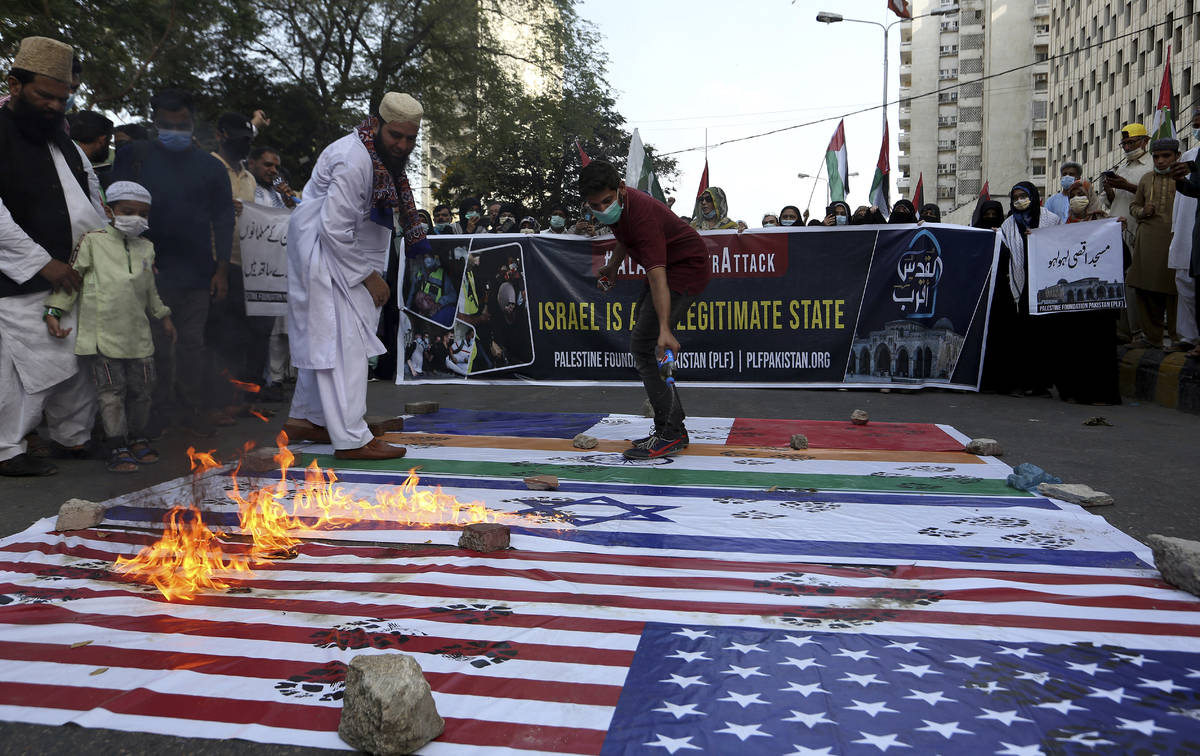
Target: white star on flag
<point>1116,694</point>
<point>920,671</point>
<point>1091,669</point>
<point>1166,686</point>
<point>1090,739</point>
<point>882,742</point>
<point>689,656</point>
<point>1192,672</point>
<point>970,661</point>
<point>804,690</point>
<point>990,687</point>
<point>855,655</point>
<point>691,634</point>
<point>802,751</point>
<point>1016,750</point>
<point>684,682</point>
<point>1146,726</point>
<point>743,699</point>
<point>1018,652</point>
<point>744,648</point>
<point>809,719</point>
<point>673,744</point>
<point>946,729</point>
<point>679,711</point>
<point>1007,717</point>
<point>875,708</point>
<point>801,663</point>
<point>798,640</point>
<point>863,680</point>
<point>906,646</point>
<point>933,697</point>
<point>744,731</point>
<point>1041,678</point>
<point>1062,707</point>
<point>743,672</point>
<point>1137,659</point>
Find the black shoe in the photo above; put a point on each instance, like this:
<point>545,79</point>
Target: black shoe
<point>25,466</point>
<point>655,448</point>
<point>644,441</point>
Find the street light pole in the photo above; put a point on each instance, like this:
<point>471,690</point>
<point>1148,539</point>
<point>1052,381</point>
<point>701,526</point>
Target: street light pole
<point>826,17</point>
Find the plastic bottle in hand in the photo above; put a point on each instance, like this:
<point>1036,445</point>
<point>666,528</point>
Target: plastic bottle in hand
<point>666,367</point>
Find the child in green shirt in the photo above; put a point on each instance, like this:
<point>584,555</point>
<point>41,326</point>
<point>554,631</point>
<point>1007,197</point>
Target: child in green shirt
<point>117,267</point>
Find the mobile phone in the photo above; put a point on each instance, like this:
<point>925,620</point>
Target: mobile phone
<point>1108,174</point>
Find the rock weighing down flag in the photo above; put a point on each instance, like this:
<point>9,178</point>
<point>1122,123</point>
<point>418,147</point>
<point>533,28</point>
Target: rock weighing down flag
<point>639,169</point>
<point>883,176</point>
<point>1163,126</point>
<point>835,164</point>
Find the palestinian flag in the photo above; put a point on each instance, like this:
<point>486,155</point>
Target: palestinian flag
<point>835,164</point>
<point>1163,126</point>
<point>703,180</point>
<point>883,175</point>
<point>918,197</point>
<point>902,8</point>
<point>639,169</point>
<point>984,196</point>
<point>583,156</point>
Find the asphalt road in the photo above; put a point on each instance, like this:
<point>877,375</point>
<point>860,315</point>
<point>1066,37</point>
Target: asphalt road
<point>1147,459</point>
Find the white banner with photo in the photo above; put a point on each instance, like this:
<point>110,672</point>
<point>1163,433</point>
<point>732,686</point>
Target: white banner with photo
<point>263,234</point>
<point>1076,267</point>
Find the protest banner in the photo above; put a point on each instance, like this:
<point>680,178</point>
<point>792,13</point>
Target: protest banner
<point>263,235</point>
<point>1076,267</point>
<point>865,306</point>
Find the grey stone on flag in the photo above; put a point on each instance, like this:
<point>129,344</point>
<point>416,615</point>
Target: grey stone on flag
<point>1075,493</point>
<point>859,417</point>
<point>799,441</point>
<point>584,441</point>
<point>387,708</point>
<point>79,514</point>
<point>985,447</point>
<point>1178,559</point>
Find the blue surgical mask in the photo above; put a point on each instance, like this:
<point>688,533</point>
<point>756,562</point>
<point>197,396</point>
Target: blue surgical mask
<point>841,220</point>
<point>444,228</point>
<point>788,221</point>
<point>472,215</point>
<point>1066,182</point>
<point>557,222</point>
<point>610,214</point>
<point>710,214</point>
<point>175,141</point>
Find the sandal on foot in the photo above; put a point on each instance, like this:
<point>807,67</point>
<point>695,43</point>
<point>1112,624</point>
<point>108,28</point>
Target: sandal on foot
<point>121,460</point>
<point>143,452</point>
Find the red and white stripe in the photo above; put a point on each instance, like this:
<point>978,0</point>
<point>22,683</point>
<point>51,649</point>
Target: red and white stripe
<point>209,668</point>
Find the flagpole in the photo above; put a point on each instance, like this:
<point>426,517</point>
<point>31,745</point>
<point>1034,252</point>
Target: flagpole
<point>816,178</point>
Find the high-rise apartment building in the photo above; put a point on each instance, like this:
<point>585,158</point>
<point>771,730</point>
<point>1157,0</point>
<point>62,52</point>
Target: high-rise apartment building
<point>1109,76</point>
<point>980,129</point>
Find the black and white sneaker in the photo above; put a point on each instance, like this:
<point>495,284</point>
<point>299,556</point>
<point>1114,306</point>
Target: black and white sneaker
<point>656,447</point>
<point>644,441</point>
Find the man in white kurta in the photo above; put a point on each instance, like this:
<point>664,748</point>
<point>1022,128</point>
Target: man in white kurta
<point>49,198</point>
<point>339,240</point>
<point>1183,219</point>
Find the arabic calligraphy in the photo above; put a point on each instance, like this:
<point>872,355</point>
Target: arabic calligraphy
<point>919,271</point>
<point>1068,259</point>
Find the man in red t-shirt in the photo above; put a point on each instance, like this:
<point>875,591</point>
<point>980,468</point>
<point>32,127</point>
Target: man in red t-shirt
<point>677,270</point>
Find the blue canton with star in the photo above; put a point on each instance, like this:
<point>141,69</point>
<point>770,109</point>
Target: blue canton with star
<point>733,690</point>
<point>598,509</point>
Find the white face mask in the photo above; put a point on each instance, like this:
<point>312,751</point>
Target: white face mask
<point>1021,205</point>
<point>131,225</point>
<point>1079,204</point>
<point>788,221</point>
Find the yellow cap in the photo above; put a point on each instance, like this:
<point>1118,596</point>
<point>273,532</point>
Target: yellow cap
<point>1134,130</point>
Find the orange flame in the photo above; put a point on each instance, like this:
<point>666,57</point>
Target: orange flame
<point>259,415</point>
<point>188,557</point>
<point>186,560</point>
<point>252,388</point>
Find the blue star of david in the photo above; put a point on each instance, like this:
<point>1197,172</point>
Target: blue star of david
<point>644,512</point>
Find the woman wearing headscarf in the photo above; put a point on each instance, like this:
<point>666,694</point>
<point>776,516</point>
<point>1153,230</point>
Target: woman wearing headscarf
<point>790,215</point>
<point>712,210</point>
<point>1014,357</point>
<point>931,213</point>
<point>837,214</point>
<point>903,212</point>
<point>867,216</point>
<point>1083,363</point>
<point>991,215</point>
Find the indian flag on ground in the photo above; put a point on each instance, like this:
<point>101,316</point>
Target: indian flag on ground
<point>879,185</point>
<point>639,169</point>
<point>835,163</point>
<point>1163,126</point>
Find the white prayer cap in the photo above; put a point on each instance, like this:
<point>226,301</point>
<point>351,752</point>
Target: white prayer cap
<point>397,106</point>
<point>127,190</point>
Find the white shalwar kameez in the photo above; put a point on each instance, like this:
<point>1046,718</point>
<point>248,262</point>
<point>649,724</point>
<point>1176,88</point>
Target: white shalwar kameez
<point>333,246</point>
<point>39,374</point>
<point>1179,257</point>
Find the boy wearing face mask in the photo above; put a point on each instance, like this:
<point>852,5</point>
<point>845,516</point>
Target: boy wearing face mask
<point>558,222</point>
<point>117,267</point>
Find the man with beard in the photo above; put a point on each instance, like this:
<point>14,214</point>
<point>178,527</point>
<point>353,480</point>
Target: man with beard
<point>339,241</point>
<point>93,133</point>
<point>49,197</point>
<point>191,226</point>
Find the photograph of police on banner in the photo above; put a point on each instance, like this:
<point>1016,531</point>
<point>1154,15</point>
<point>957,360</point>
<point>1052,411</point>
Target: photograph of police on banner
<point>494,305</point>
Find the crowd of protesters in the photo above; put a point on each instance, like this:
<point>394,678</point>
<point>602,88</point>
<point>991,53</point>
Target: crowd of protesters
<point>125,237</point>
